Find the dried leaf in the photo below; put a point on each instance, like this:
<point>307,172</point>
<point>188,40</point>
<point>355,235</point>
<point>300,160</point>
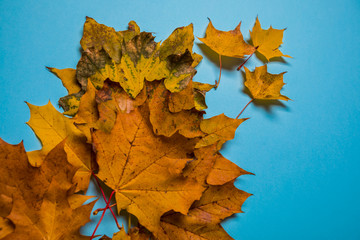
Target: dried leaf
<point>51,127</point>
<point>200,90</point>
<point>218,129</point>
<point>54,220</point>
<point>167,123</point>
<point>68,79</point>
<point>227,43</point>
<point>224,171</point>
<point>183,100</point>
<point>6,227</point>
<point>180,40</point>
<point>267,41</point>
<point>99,36</point>
<point>145,169</point>
<point>202,221</point>
<point>264,85</point>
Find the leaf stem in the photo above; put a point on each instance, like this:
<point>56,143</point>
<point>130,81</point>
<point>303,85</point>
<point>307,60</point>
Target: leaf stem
<point>102,209</point>
<point>102,191</point>
<point>102,215</point>
<point>98,183</point>
<point>218,82</point>
<point>239,67</point>
<point>244,108</point>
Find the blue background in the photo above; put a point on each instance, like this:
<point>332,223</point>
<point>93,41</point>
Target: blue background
<point>305,153</point>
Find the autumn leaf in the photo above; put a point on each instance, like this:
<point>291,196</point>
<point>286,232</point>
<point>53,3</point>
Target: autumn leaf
<point>99,36</point>
<point>166,123</point>
<point>6,227</point>
<point>180,40</point>
<point>40,206</point>
<point>18,173</point>
<point>54,220</point>
<point>267,41</point>
<point>183,100</point>
<point>224,171</point>
<point>134,234</point>
<point>264,85</point>
<point>68,79</point>
<point>137,125</point>
<point>145,169</point>
<point>204,216</point>
<point>200,167</point>
<point>218,129</point>
<point>227,43</point>
<point>200,90</point>
<point>51,127</point>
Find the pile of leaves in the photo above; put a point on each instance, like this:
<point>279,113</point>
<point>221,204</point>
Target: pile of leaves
<point>137,126</point>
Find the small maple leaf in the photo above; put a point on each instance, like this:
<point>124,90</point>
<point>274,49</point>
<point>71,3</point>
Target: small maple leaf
<point>218,129</point>
<point>267,41</point>
<point>226,43</point>
<point>264,85</point>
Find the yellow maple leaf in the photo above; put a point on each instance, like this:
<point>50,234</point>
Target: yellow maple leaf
<point>218,129</point>
<point>51,127</point>
<point>264,85</point>
<point>267,41</point>
<point>227,43</point>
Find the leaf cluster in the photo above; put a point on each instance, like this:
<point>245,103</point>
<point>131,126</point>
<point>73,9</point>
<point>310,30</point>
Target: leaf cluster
<point>136,124</point>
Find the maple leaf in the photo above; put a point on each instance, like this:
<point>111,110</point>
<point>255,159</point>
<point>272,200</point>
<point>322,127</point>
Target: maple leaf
<point>204,216</point>
<point>134,234</point>
<point>51,127</point>
<point>40,207</point>
<point>145,169</point>
<point>226,43</point>
<point>166,123</point>
<point>210,167</point>
<point>68,79</point>
<point>264,85</point>
<point>267,41</point>
<point>218,129</point>
<point>180,40</point>
<point>136,107</point>
<point>224,171</point>
<point>54,220</point>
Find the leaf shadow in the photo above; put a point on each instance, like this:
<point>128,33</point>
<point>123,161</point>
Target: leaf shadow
<point>228,63</point>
